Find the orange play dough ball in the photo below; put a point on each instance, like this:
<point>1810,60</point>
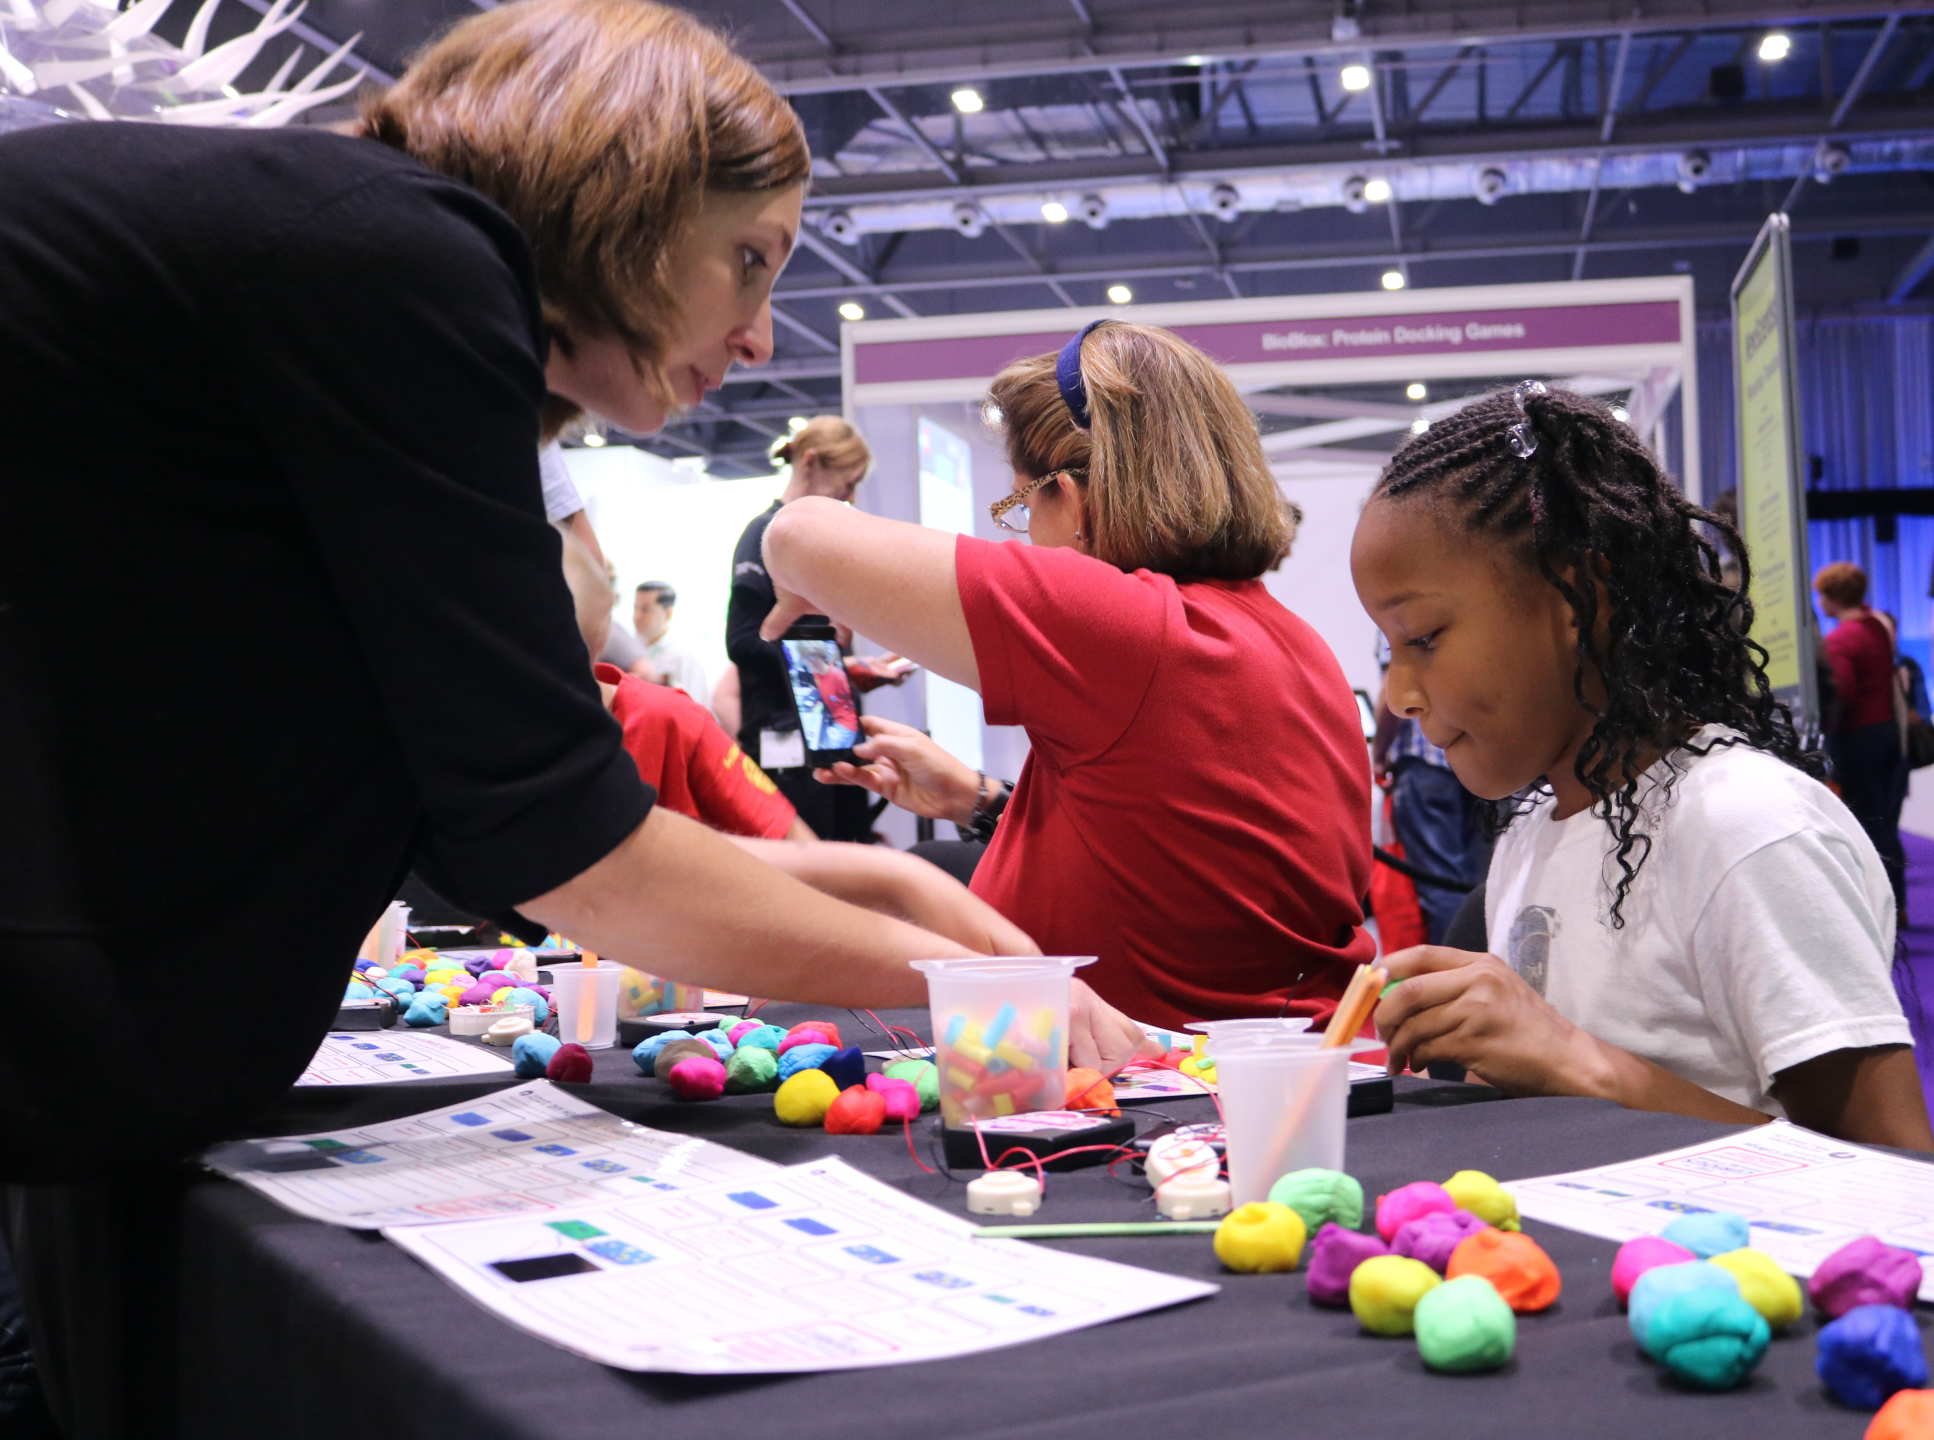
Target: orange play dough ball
<point>1908,1416</point>
<point>1087,1090</point>
<point>1514,1263</point>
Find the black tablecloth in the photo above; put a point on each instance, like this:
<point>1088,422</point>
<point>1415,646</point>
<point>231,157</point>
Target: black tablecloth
<point>281,1327</point>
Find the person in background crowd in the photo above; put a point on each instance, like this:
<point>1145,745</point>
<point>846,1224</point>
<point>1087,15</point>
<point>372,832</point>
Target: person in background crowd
<point>668,661</point>
<point>1866,744</point>
<point>1293,521</point>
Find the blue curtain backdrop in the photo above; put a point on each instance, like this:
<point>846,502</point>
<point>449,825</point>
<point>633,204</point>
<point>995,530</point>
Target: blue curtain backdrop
<point>1867,410</point>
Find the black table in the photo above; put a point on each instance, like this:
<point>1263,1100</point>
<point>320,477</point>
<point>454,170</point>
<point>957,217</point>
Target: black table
<point>285,1328</point>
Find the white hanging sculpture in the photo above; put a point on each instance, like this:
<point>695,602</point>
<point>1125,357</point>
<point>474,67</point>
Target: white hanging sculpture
<point>86,59</point>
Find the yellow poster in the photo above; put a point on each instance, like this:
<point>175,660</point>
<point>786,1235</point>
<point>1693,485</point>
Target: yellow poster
<point>1766,471</point>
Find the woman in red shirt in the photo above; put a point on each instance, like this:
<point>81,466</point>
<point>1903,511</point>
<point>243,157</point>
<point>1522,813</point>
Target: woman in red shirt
<point>1195,809</point>
<point>1866,743</point>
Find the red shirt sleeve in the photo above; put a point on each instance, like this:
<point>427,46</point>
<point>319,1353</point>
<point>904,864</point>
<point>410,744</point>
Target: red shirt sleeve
<point>731,792</point>
<point>1067,645</point>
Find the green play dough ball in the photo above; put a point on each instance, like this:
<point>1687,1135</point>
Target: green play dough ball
<point>751,1070</point>
<point>922,1075</point>
<point>1708,1338</point>
<point>1464,1324</point>
<point>1321,1196</point>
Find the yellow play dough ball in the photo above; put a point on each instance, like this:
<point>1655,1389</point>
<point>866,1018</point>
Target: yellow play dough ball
<point>805,1098</point>
<point>1385,1289</point>
<point>439,977</point>
<point>1766,1287</point>
<point>1260,1238</point>
<point>1478,1193</point>
<point>452,993</point>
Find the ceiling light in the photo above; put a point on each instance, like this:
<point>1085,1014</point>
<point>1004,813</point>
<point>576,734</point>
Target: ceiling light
<point>1419,425</point>
<point>1621,414</point>
<point>594,438</point>
<point>852,310</point>
<point>1195,59</point>
<point>1775,46</point>
<point>1376,191</point>
<point>1355,77</point>
<point>967,101</point>
<point>1120,294</point>
<point>1393,280</point>
<point>1416,390</point>
<point>1054,212</point>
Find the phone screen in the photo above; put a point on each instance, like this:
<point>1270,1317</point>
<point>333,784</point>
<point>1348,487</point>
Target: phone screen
<point>829,717</point>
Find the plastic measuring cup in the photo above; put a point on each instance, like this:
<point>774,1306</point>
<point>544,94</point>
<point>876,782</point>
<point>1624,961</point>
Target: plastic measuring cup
<point>587,1005</point>
<point>1285,1099</point>
<point>1000,1033</point>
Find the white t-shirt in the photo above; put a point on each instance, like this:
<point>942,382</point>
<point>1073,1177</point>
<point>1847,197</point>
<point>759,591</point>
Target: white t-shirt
<point>561,499</point>
<point>1758,934</point>
<point>678,666</point>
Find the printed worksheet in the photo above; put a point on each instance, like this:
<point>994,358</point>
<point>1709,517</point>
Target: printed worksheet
<point>1802,1194</point>
<point>849,1273</point>
<point>381,1057</point>
<point>531,1150</point>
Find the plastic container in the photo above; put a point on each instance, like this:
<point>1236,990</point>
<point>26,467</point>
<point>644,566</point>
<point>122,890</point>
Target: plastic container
<point>1285,1100</point>
<point>587,1005</point>
<point>1000,1032</point>
<point>641,995</point>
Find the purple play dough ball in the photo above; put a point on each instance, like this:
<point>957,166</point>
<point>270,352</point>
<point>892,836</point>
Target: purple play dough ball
<point>477,964</point>
<point>1865,1272</point>
<point>1431,1238</point>
<point>478,994</point>
<point>1333,1258</point>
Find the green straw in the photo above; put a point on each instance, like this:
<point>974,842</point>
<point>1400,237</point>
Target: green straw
<point>1131,1227</point>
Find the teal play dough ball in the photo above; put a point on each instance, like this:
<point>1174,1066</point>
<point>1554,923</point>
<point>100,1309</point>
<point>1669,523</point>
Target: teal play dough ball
<point>356,990</point>
<point>539,1007</point>
<point>427,1009</point>
<point>531,1054</point>
<point>1321,1197</point>
<point>1464,1324</point>
<point>766,1037</point>
<point>1656,1286</point>
<point>1708,1338</point>
<point>1713,1233</point>
<point>804,1057</point>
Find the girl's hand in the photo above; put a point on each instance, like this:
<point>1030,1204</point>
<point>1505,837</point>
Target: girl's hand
<point>1476,1011</point>
<point>910,770</point>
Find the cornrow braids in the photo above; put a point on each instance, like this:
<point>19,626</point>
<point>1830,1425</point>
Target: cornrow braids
<point>1591,511</point>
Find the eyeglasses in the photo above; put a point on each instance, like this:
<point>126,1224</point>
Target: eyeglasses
<point>1015,505</point>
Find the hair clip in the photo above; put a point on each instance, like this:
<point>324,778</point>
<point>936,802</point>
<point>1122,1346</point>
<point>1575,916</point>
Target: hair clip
<point>1522,439</point>
<point>1067,375</point>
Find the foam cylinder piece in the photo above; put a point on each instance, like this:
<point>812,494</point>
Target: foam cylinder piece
<point>751,1070</point>
<point>427,1009</point>
<point>805,1055</point>
<point>1662,1282</point>
<point>1260,1238</point>
<point>531,1055</point>
<point>1464,1325</point>
<point>697,1077</point>
<point>1406,1203</point>
<point>856,1110</point>
<point>719,1042</point>
<point>1385,1289</point>
<point>645,1053</point>
<point>761,1037</point>
<point>1635,1257</point>
<point>804,1098</point>
<point>1478,1193</point>
<point>1090,1090</point>
<point>1194,1197</point>
<point>1764,1286</point>
<point>1908,1416</point>
<point>569,1063</point>
<point>1434,1238</point>
<point>1869,1353</point>
<point>847,1067</point>
<point>923,1075</point>
<point>1516,1264</point>
<point>901,1099</point>
<point>539,1007</point>
<point>1864,1272</point>
<point>1710,1234</point>
<point>1333,1257</point>
<point>670,1055</point>
<point>1321,1197</point>
<point>1707,1338</point>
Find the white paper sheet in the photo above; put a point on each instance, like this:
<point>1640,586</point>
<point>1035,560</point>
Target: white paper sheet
<point>1803,1195</point>
<point>382,1057</point>
<point>849,1273</point>
<point>530,1150</point>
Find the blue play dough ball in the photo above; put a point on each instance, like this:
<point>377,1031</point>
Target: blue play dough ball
<point>531,1054</point>
<point>399,990</point>
<point>539,1007</point>
<point>645,1053</point>
<point>1708,1338</point>
<point>1660,1284</point>
<point>803,1057</point>
<point>1868,1354</point>
<point>720,1042</point>
<point>426,1010</point>
<point>1708,1235</point>
<point>847,1067</point>
<point>356,990</point>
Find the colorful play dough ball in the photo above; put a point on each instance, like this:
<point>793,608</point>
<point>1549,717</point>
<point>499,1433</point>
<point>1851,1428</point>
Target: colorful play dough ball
<point>1864,1272</point>
<point>1090,1090</point>
<point>1464,1325</point>
<point>1434,1238</point>
<point>539,1007</point>
<point>812,1032</point>
<point>356,990</point>
<point>902,1101</point>
<point>856,1111</point>
<point>751,1070</point>
<point>441,975</point>
<point>923,1075</point>
<point>478,994</point>
<point>1908,1416</point>
<point>1407,1203</point>
<point>645,1053</point>
<point>1516,1264</point>
<point>1478,1193</point>
<point>847,1067</point>
<point>1321,1197</point>
<point>760,1037</point>
<point>807,1055</point>
<point>1635,1257</point>
<point>718,1040</point>
<point>1333,1257</point>
<point>1710,1234</point>
<point>1385,1289</point>
<point>400,991</point>
<point>569,1062</point>
<point>1260,1238</point>
<point>671,1054</point>
<point>1764,1286</point>
<point>697,1077</point>
<point>531,1054</point>
<point>1868,1354</point>
<point>426,1010</point>
<point>739,1029</point>
<point>1708,1339</point>
<point>805,1098</point>
<point>1662,1282</point>
<point>411,973</point>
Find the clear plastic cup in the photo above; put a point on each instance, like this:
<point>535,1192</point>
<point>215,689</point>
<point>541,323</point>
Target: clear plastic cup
<point>1000,1033</point>
<point>1285,1101</point>
<point>587,1005</point>
<point>642,994</point>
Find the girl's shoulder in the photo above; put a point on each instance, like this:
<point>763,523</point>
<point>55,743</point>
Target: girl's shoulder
<point>1732,797</point>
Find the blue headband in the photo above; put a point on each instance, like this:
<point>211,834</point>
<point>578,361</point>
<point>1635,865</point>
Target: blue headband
<point>1067,374</point>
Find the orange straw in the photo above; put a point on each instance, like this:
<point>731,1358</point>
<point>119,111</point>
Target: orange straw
<point>587,1022</point>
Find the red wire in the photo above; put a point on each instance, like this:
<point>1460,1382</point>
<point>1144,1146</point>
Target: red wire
<point>906,1124</point>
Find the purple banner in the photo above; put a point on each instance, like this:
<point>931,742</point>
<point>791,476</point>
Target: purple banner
<point>1252,342</point>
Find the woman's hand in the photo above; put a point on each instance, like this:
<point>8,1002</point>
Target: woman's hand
<point>1100,1036</point>
<point>1475,1010</point>
<point>910,770</point>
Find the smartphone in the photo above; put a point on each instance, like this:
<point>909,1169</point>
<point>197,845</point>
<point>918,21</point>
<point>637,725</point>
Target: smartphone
<point>828,706</point>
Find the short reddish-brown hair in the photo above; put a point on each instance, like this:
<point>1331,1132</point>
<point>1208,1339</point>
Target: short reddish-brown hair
<point>598,126</point>
<point>1842,582</point>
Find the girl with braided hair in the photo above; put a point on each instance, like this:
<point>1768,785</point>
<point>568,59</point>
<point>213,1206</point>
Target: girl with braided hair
<point>1684,917</point>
